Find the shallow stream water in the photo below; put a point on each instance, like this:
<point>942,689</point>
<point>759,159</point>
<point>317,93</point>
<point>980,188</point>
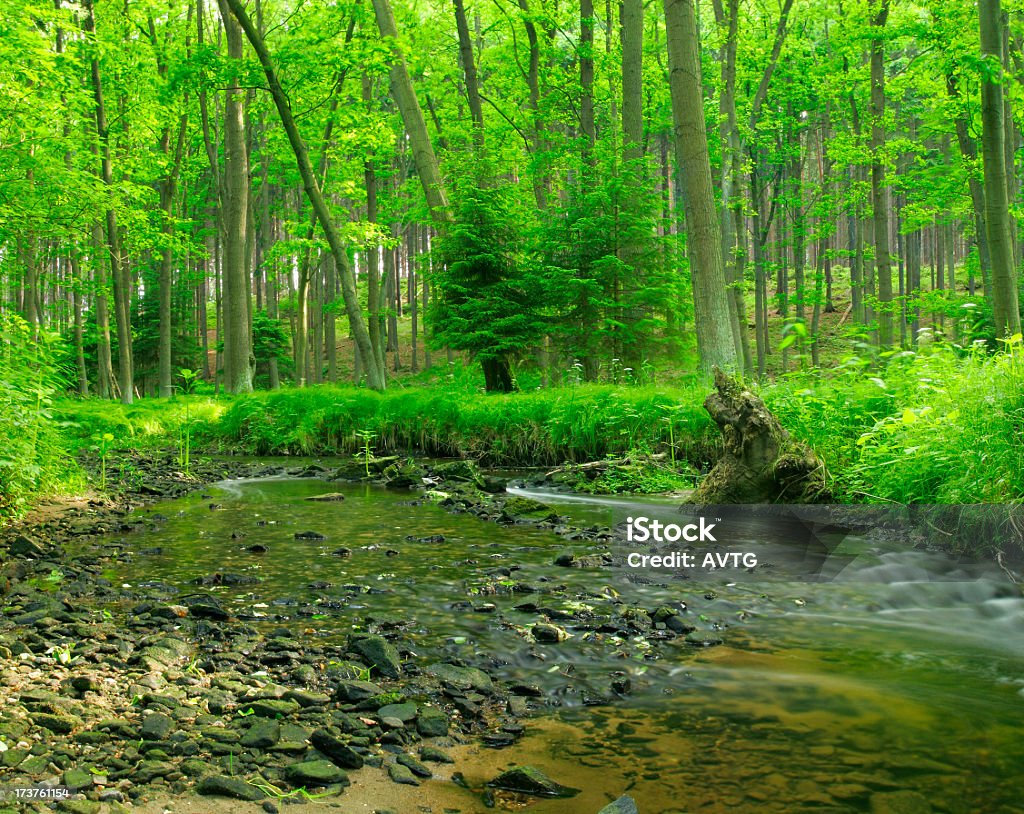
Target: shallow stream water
<point>904,672</point>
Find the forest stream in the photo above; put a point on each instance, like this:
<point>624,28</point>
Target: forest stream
<point>894,684</point>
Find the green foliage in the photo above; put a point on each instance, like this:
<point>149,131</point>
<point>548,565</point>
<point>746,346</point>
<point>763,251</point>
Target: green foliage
<point>542,427</point>
<point>33,457</point>
<point>487,303</point>
<point>942,425</point>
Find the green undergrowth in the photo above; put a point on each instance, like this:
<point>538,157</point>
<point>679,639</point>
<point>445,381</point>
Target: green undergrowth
<point>146,424</point>
<point>33,457</point>
<point>941,425</point>
<point>542,427</point>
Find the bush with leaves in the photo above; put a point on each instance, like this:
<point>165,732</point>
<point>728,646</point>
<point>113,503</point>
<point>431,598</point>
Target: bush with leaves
<point>32,457</point>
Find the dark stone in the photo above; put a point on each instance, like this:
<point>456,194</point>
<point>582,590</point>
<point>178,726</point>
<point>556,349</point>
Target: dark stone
<point>532,781</point>
<point>22,546</point>
<point>309,535</point>
<point>549,634</point>
<point>463,678</point>
<point>219,785</point>
<point>60,724</point>
<point>435,755</point>
<point>156,726</point>
<point>432,723</point>
<point>262,734</point>
<point>270,707</point>
<point>354,692</point>
<point>315,773</point>
<point>402,775</point>
<point>380,653</point>
<point>624,805</point>
<point>340,754</point>
<point>414,766</point>
<point>403,712</point>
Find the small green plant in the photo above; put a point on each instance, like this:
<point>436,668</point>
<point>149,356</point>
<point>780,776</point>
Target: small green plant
<point>102,448</point>
<point>63,654</point>
<point>366,450</point>
<point>188,383</point>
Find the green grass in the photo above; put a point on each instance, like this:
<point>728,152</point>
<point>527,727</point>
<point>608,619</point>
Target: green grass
<point>535,428</point>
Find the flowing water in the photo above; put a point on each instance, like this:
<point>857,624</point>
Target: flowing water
<point>902,673</point>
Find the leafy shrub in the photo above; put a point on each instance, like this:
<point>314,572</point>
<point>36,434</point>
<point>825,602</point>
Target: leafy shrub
<point>32,458</point>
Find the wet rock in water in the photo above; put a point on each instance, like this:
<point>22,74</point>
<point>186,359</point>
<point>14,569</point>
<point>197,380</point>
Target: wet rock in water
<point>526,508</point>
<point>402,775</point>
<point>672,619</point>
<point>315,773</point>
<point>403,475</point>
<point>156,726</point>
<point>257,549</point>
<point>432,723</point>
<point>226,579</point>
<point>900,802</point>
<point>342,552</point>
<point>465,471</point>
<point>403,712</point>
<point>219,785</point>
<point>414,766</point>
<point>624,805</point>
<point>703,638</point>
<point>379,653</point>
<point>435,755</point>
<point>532,781</point>
<point>340,754</point>
<point>204,606</point>
<point>262,734</point>
<point>355,692</point>
<point>570,560</point>
<point>329,497</point>
<point>433,538</point>
<point>310,535</point>
<point>492,485</point>
<point>549,634</point>
<point>462,678</point>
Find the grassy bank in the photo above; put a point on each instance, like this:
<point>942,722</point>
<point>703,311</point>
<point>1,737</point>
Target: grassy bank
<point>942,425</point>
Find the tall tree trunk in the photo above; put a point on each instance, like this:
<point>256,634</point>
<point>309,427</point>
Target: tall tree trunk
<point>883,262</point>
<point>375,374</point>
<point>104,363</point>
<point>969,151</point>
<point>118,268</point>
<point>712,317</point>
<point>1005,312</point>
<point>476,109</point>
<point>427,167</point>
<point>587,124</point>
<point>238,357</point>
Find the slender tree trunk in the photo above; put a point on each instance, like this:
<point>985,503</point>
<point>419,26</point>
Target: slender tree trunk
<point>883,262</point>
<point>375,375</point>
<point>1003,295</point>
<point>238,361</point>
<point>118,269</point>
<point>104,363</point>
<point>476,109</point>
<point>402,91</point>
<point>587,124</point>
<point>711,304</point>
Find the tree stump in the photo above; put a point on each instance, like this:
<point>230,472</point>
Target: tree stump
<point>762,463</point>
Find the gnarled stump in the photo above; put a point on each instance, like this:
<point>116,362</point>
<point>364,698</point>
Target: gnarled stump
<point>761,464</point>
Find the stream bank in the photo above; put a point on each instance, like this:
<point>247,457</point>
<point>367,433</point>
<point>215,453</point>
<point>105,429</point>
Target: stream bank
<point>900,678</point>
